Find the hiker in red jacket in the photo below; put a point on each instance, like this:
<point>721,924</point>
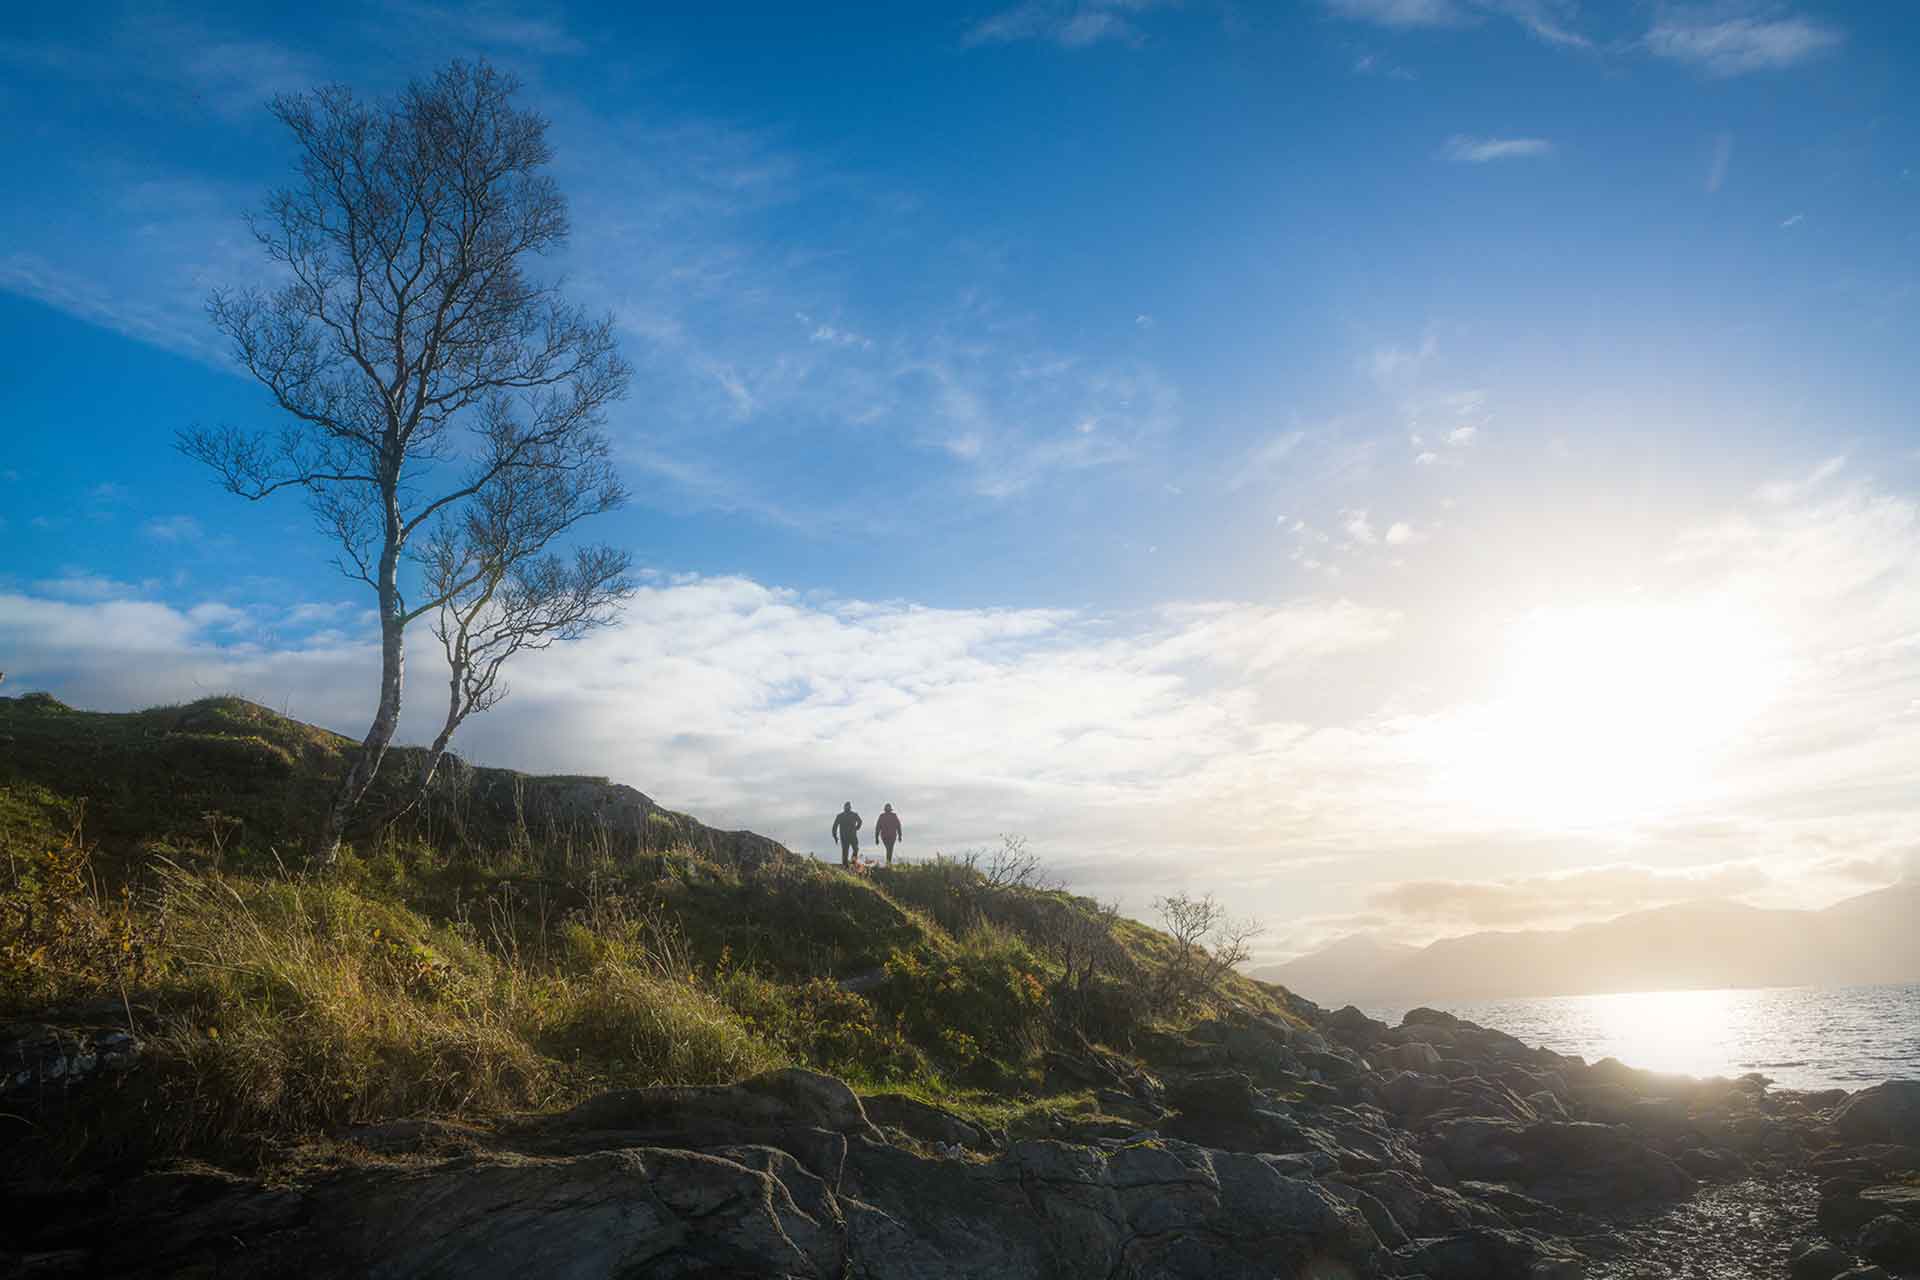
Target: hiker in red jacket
<point>887,829</point>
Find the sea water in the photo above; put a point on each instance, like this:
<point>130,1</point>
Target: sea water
<point>1801,1037</point>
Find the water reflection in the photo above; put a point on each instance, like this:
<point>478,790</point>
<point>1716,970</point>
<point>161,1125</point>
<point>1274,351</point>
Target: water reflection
<point>1803,1037</point>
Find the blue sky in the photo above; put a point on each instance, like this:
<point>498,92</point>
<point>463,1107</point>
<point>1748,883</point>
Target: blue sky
<point>1151,427</point>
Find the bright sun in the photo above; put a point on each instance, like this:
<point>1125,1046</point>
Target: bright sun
<point>1609,714</point>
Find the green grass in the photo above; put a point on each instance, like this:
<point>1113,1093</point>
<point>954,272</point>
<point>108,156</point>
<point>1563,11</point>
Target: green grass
<point>471,963</point>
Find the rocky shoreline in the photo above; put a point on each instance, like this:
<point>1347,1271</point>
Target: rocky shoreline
<point>1248,1147</point>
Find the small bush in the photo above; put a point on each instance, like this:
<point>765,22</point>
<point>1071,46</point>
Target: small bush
<point>825,1025</point>
<point>62,938</point>
<point>985,1004</point>
<point>625,1027</point>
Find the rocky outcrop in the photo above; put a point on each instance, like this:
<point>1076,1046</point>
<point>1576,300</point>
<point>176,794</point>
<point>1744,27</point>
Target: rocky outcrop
<point>38,1060</point>
<point>589,1193</point>
<point>1337,1148</point>
<point>581,808</point>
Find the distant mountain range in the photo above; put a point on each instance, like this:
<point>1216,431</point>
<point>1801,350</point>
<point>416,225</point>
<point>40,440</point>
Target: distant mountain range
<point>1872,938</point>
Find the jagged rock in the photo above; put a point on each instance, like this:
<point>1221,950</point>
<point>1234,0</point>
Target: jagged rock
<point>926,1122</point>
<point>1574,1165</point>
<point>602,1214</point>
<point>1816,1260</point>
<point>1416,1055</point>
<point>1484,1253</point>
<point>793,1098</point>
<point>1420,1207</point>
<point>1224,1110</point>
<point>1891,1240</point>
<point>1850,1201</point>
<point>1547,1106</point>
<point>39,1059</point>
<point>1887,1112</point>
<point>1332,1066</point>
<point>1412,1095</point>
<point>1354,1028</point>
<point>578,803</point>
<point>1704,1163</point>
<point>1378,1216</point>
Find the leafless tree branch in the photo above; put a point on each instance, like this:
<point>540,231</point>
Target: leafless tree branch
<point>427,379</point>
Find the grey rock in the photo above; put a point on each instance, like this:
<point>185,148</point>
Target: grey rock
<point>1892,1240</point>
<point>1887,1112</point>
<point>37,1059</point>
<point>1816,1260</point>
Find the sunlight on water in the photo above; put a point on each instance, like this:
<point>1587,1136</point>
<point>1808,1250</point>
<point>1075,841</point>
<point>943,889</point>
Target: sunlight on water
<point>1802,1037</point>
<point>1683,1031</point>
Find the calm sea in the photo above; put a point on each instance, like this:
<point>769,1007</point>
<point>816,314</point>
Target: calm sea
<point>1803,1037</point>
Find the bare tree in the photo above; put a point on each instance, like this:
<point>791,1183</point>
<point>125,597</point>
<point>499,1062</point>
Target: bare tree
<point>1080,936</point>
<point>512,603</point>
<point>1011,866</point>
<point>1207,945</point>
<point>421,368</point>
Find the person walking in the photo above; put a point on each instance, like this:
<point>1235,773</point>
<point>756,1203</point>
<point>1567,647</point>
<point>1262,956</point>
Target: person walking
<point>887,829</point>
<point>846,830</point>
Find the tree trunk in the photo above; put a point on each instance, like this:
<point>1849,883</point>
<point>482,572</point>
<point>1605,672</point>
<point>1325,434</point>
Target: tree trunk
<point>373,748</point>
<point>438,751</point>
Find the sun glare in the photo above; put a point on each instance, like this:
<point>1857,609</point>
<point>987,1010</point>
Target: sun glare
<point>1609,714</point>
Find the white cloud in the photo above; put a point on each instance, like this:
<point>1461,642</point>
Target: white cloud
<point>1460,437</point>
<point>1426,458</point>
<point>172,529</point>
<point>1548,20</point>
<point>752,705</point>
<point>1731,46</point>
<point>1310,731</point>
<point>78,584</point>
<point>1391,362</point>
<point>1071,24</point>
<point>1266,456</point>
<point>1793,221</point>
<point>1561,897</point>
<point>163,62</point>
<point>1400,13</point>
<point>1469,150</point>
<point>832,336</point>
<point>493,26</point>
<point>1780,492</point>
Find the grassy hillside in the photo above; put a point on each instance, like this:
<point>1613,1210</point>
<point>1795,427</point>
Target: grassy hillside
<point>466,961</point>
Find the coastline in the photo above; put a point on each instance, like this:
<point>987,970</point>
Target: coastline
<point>1331,1145</point>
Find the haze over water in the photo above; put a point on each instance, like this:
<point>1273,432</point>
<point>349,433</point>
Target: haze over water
<point>1800,1037</point>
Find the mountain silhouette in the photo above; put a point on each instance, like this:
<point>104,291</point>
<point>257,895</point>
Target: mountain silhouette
<point>1690,945</point>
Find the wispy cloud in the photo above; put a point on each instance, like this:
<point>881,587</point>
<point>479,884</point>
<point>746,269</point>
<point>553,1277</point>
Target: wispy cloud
<point>1548,20</point>
<point>1560,897</point>
<point>1392,362</point>
<point>1402,13</point>
<point>1071,24</point>
<point>172,529</point>
<point>169,63</point>
<point>162,317</point>
<point>1129,721</point>
<point>762,700</point>
<point>1723,45</point>
<point>1465,149</point>
<point>495,26</point>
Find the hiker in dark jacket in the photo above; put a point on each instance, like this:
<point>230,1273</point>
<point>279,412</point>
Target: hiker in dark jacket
<point>846,829</point>
<point>887,829</point>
